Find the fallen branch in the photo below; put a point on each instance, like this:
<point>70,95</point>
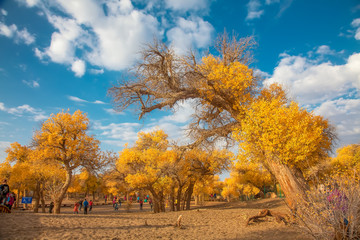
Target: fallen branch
<point>279,217</point>
<point>178,222</point>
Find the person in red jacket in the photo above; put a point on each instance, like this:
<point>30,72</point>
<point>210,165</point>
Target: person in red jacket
<point>90,205</point>
<point>76,207</point>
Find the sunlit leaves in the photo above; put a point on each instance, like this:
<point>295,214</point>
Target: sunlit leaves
<point>273,130</point>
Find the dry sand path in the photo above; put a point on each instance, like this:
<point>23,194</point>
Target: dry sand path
<point>220,221</point>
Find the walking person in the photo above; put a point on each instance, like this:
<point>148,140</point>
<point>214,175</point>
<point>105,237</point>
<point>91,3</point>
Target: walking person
<point>151,203</point>
<point>51,207</point>
<point>86,204</point>
<point>80,204</point>
<point>76,208</point>
<point>10,200</point>
<point>4,190</point>
<point>141,204</point>
<point>90,205</point>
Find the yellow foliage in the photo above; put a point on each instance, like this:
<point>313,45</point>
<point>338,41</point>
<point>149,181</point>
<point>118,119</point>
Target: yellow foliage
<point>63,138</point>
<point>347,161</point>
<point>235,80</point>
<point>273,130</point>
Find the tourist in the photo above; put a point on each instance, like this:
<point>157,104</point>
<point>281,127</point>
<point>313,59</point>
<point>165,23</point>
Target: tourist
<point>10,200</point>
<point>51,207</point>
<point>86,204</point>
<point>80,204</point>
<point>90,205</point>
<point>151,204</point>
<point>76,208</point>
<point>4,190</point>
<point>141,203</point>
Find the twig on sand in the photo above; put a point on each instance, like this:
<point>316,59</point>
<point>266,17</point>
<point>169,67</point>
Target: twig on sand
<point>279,217</point>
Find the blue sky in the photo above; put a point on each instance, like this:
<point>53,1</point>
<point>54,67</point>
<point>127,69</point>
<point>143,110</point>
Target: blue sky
<point>60,54</point>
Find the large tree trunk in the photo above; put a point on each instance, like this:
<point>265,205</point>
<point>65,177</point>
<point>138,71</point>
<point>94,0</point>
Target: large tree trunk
<point>158,201</point>
<point>60,197</point>
<point>37,197</point>
<point>188,194</point>
<point>292,183</point>
<point>178,198</point>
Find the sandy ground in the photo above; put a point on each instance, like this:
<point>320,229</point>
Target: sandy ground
<point>212,221</point>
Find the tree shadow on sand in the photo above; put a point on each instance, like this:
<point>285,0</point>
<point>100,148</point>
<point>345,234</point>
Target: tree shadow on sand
<point>252,204</point>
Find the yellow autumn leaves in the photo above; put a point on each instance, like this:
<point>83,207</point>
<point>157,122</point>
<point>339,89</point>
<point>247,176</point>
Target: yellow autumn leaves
<point>155,166</point>
<point>234,81</point>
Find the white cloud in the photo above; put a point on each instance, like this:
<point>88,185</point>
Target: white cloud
<point>79,100</point>
<point>113,112</point>
<point>345,114</point>
<point>186,5</point>
<point>311,82</point>
<point>25,110</point>
<point>109,34</point>
<point>356,24</point>
<point>32,84</point>
<point>19,35</point>
<point>64,41</point>
<point>118,134</point>
<point>268,2</point>
<point>3,12</point>
<point>78,67</point>
<point>29,3</point>
<point>113,39</point>
<point>325,50</point>
<point>97,71</point>
<point>175,125</point>
<point>194,32</point>
<point>254,10</point>
<point>183,113</point>
<point>76,99</point>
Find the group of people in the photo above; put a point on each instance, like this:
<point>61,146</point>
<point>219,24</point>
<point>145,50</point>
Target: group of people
<point>86,204</point>
<point>117,202</point>
<point>7,198</point>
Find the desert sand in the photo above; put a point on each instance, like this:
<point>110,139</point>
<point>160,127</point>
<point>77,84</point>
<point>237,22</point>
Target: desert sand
<point>215,220</point>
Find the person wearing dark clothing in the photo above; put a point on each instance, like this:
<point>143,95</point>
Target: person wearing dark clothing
<point>80,204</point>
<point>51,207</point>
<point>86,204</point>
<point>4,190</point>
<point>141,204</point>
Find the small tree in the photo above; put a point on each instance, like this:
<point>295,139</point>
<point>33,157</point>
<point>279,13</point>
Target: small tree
<point>63,139</point>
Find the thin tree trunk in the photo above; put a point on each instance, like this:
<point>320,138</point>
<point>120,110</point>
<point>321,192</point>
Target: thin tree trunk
<point>59,199</point>
<point>178,198</point>
<point>172,203</point>
<point>37,197</point>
